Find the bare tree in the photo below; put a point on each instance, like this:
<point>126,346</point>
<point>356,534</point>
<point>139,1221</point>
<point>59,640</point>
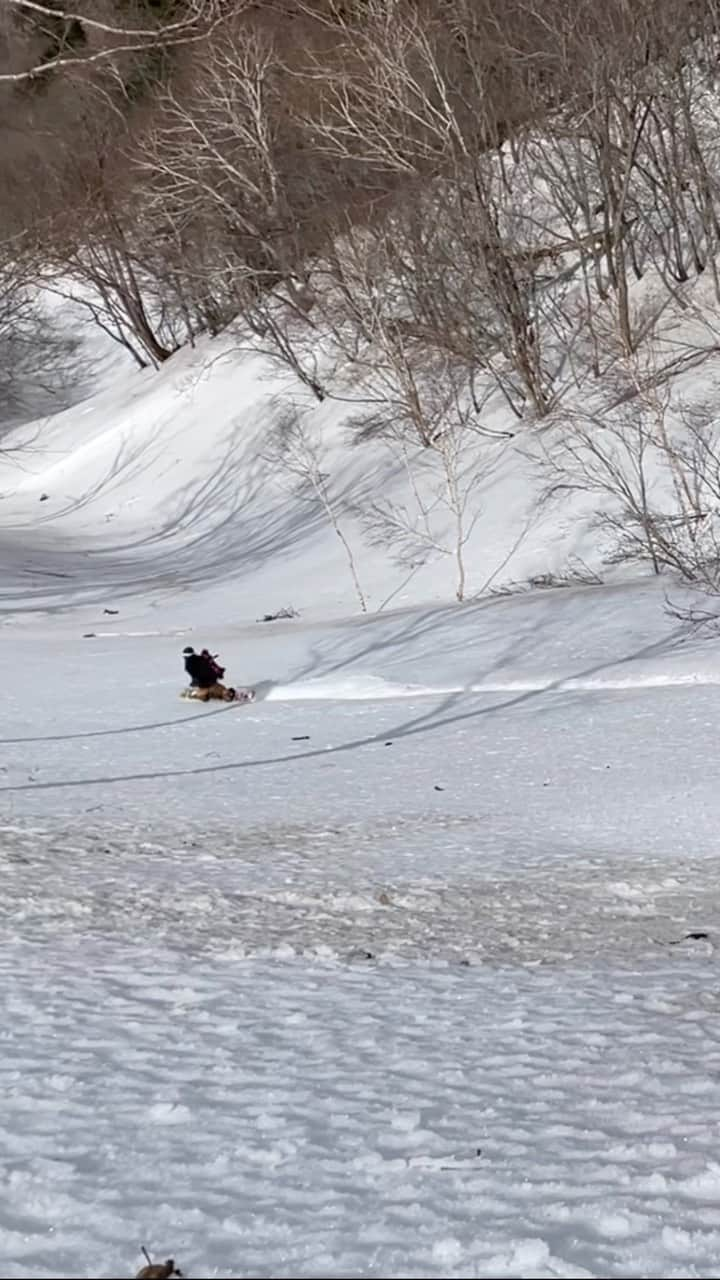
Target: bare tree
<point>40,364</point>
<point>221,167</point>
<point>83,40</point>
<point>653,462</point>
<point>610,461</point>
<point>213,140</point>
<point>99,244</point>
<point>295,455</point>
<point>403,106</point>
<point>444,502</point>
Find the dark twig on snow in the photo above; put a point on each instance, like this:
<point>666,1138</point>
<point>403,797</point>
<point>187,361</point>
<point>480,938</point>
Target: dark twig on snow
<point>698,935</point>
<point>280,615</point>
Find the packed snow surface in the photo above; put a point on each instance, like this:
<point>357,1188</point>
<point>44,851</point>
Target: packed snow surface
<point>407,969</point>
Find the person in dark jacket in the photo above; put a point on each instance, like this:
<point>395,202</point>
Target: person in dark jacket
<point>211,658</point>
<point>203,672</point>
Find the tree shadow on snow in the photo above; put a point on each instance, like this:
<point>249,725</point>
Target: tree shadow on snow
<point>209,711</point>
<point>448,712</point>
<point>215,528</point>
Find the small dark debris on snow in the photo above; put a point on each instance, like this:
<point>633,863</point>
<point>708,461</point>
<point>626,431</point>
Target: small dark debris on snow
<point>697,935</point>
<point>437,788</point>
<point>111,612</point>
<point>389,744</point>
<point>362,954</point>
<point>44,497</point>
<point>280,615</point>
<point>88,635</point>
<point>383,899</point>
<point>301,737</point>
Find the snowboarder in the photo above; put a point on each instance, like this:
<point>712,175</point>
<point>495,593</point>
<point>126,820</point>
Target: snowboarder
<point>205,677</point>
<point>211,658</point>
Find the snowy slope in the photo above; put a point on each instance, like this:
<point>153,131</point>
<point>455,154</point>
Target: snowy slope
<point>389,973</point>
<point>166,471</point>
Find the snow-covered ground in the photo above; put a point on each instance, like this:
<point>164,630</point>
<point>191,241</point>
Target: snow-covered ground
<point>388,974</point>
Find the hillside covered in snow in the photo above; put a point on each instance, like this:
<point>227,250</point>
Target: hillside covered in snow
<point>375,347</point>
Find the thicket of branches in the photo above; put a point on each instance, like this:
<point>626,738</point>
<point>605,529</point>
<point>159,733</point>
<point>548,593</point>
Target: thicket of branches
<point>429,207</point>
<point>187,156</point>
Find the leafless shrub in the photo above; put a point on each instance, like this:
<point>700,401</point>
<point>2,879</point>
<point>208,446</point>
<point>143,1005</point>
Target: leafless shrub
<point>40,362</point>
<point>41,39</point>
<point>295,458</point>
<point>576,573</point>
<point>653,463</point>
<point>443,468</point>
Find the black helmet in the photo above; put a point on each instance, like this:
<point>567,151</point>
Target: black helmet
<point>188,649</point>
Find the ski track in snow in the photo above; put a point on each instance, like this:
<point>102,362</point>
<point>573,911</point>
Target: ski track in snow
<point>366,688</point>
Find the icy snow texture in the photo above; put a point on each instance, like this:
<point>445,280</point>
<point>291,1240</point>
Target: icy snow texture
<point>276,1119</point>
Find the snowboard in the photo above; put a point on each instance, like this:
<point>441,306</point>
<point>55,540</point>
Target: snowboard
<point>244,695</point>
<point>241,695</point>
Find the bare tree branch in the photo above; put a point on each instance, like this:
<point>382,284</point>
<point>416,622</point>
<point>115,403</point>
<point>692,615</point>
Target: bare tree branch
<point>198,10</point>
<point>204,16</point>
